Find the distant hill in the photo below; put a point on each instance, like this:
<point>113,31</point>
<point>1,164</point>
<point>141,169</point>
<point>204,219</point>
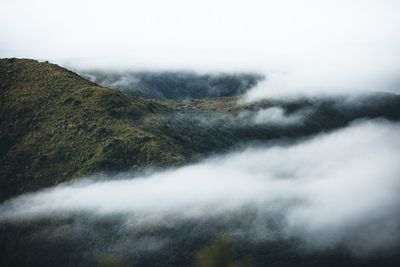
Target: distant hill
<point>56,126</point>
<point>174,85</point>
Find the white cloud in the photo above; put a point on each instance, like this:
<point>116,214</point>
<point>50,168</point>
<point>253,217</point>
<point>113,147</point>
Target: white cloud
<point>277,116</point>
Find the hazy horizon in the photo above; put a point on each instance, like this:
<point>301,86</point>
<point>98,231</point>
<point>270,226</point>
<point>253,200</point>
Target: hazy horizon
<point>305,46</point>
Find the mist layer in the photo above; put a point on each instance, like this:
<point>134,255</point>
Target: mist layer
<point>336,188</point>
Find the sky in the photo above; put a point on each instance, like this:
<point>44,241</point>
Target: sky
<point>198,34</point>
<point>326,45</point>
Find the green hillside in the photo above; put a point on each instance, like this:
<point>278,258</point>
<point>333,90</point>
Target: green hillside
<point>56,126</point>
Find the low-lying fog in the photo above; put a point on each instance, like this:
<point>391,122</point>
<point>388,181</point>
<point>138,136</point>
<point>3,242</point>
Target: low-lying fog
<point>338,188</point>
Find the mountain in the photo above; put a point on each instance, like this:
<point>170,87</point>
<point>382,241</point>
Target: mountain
<point>57,126</point>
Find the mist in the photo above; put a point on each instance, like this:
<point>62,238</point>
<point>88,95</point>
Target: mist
<point>338,188</point>
<point>278,116</point>
<point>302,47</point>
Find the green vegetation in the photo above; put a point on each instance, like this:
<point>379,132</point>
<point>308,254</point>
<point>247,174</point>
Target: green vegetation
<point>219,254</point>
<point>56,126</point>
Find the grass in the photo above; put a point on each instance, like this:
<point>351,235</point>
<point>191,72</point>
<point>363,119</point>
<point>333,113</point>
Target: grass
<point>56,126</point>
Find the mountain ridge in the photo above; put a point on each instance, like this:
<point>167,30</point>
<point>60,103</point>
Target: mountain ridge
<point>182,85</point>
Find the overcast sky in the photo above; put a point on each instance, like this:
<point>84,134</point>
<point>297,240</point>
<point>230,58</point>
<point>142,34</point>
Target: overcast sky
<point>305,38</point>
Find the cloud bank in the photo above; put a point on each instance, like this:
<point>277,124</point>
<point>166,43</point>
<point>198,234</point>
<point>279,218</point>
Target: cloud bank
<point>336,189</point>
